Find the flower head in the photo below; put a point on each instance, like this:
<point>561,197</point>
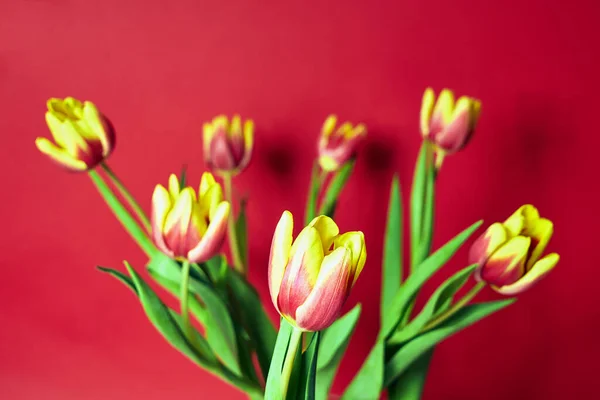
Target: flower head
<point>448,124</point>
<point>83,137</point>
<point>509,254</point>
<point>337,146</point>
<point>311,277</point>
<point>228,146</point>
<point>188,225</point>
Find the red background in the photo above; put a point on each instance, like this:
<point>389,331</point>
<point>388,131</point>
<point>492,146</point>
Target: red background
<point>159,69</point>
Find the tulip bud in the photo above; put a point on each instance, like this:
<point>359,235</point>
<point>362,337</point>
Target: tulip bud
<point>337,146</point>
<point>509,254</point>
<point>448,125</point>
<point>311,277</point>
<point>186,226</point>
<point>83,136</point>
<point>228,148</point>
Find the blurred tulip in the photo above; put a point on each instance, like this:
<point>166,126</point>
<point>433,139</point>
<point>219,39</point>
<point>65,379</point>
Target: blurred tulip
<point>447,124</point>
<point>228,147</point>
<point>311,278</point>
<point>188,227</point>
<point>83,136</point>
<point>509,254</point>
<point>337,146</point>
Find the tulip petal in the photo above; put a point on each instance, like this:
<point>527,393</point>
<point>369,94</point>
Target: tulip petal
<point>209,202</point>
<point>248,144</point>
<point>306,256</point>
<point>327,230</point>
<point>525,215</point>
<point>485,245</point>
<point>161,204</point>
<point>221,154</point>
<point>537,272</point>
<point>174,187</point>
<point>329,126</point>
<point>426,110</point>
<point>442,113</point>
<point>212,240</point>
<point>178,221</point>
<point>280,252</point>
<point>206,182</point>
<point>355,242</point>
<point>507,264</point>
<point>540,232</point>
<point>329,294</point>
<point>59,155</point>
<point>208,133</point>
<point>94,121</point>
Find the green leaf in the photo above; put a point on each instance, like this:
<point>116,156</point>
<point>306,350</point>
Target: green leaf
<point>120,276</point>
<point>417,197</point>
<point>335,188</point>
<point>309,369</point>
<point>199,342</point>
<point>313,194</point>
<point>183,176</point>
<point>220,331</point>
<point>273,385</point>
<point>368,382</point>
<point>410,385</point>
<point>255,319</point>
<point>428,213</point>
<point>412,350</point>
<point>162,319</point>
<point>217,270</point>
<point>128,222</point>
<point>439,301</point>
<point>391,275</point>
<point>420,275</point>
<point>241,230</point>
<point>333,343</point>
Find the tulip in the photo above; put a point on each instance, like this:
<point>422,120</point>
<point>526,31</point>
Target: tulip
<point>228,147</point>
<point>337,146</point>
<point>509,254</point>
<point>186,226</point>
<point>311,277</point>
<point>447,124</point>
<point>83,136</point>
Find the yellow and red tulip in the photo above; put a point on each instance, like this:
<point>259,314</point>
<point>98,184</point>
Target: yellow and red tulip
<point>186,225</point>
<point>337,146</point>
<point>228,145</point>
<point>83,137</point>
<point>311,277</point>
<point>509,254</point>
<point>448,124</point>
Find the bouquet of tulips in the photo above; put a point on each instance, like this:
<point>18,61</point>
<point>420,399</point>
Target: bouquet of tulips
<point>221,323</point>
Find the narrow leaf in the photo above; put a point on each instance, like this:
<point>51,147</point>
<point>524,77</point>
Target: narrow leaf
<point>333,343</point>
<point>241,230</point>
<point>410,385</point>
<point>310,360</point>
<point>273,385</point>
<point>368,382</point>
<point>417,197</point>
<point>120,276</point>
<point>411,351</point>
<point>335,188</point>
<point>391,275</point>
<point>437,303</point>
<point>313,194</point>
<point>183,176</point>
<point>420,275</point>
<point>428,213</point>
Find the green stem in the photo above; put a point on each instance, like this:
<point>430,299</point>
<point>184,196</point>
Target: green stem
<point>183,298</point>
<point>288,364</point>
<point>455,307</point>
<point>233,242</point>
<point>128,222</point>
<point>128,197</point>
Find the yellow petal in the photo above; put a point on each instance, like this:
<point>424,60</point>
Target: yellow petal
<point>537,272</point>
<point>161,204</point>
<point>248,137</point>
<point>308,243</point>
<point>213,238</point>
<point>181,212</point>
<point>59,155</point>
<point>93,120</point>
<point>514,224</point>
<point>208,133</point>
<point>540,231</point>
<point>206,182</point>
<point>280,253</point>
<point>444,106</point>
<point>174,187</point>
<point>235,129</point>
<point>329,125</point>
<point>210,200</point>
<point>507,264</point>
<point>484,246</point>
<point>426,110</point>
<point>355,242</point>
<point>327,230</point>
<point>328,163</point>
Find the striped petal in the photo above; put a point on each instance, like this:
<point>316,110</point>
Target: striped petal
<point>306,256</point>
<point>442,113</point>
<point>248,144</point>
<point>206,182</point>
<point>208,133</point>
<point>355,242</point>
<point>507,264</point>
<point>329,294</point>
<point>161,204</point>
<point>59,155</point>
<point>95,122</point>
<point>174,187</point>
<point>280,252</point>
<point>212,240</point>
<point>177,223</point>
<point>537,272</point>
<point>426,111</point>
<point>456,134</point>
<point>540,233</point>
<point>210,200</point>
<point>486,244</point>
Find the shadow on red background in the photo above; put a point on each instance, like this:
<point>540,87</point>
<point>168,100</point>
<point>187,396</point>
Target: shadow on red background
<point>160,69</point>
